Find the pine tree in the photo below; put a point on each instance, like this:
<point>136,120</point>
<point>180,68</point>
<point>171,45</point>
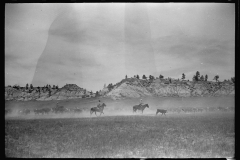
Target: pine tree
<point>194,78</point>
<point>31,86</point>
<point>161,76</point>
<point>183,76</point>
<point>126,77</point>
<point>144,77</point>
<point>27,86</point>
<point>197,77</point>
<point>97,94</point>
<point>206,77</point>
<point>137,76</point>
<point>216,78</point>
<point>202,78</point>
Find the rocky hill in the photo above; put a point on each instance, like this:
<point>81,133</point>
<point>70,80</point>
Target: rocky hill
<point>69,91</point>
<point>127,88</point>
<point>133,87</point>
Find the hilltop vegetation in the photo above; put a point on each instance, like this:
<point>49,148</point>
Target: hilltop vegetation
<point>69,91</point>
<point>129,88</point>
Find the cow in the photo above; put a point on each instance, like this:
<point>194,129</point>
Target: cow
<point>187,110</point>
<point>24,111</point>
<point>46,110</point>
<point>140,107</point>
<point>77,110</point>
<point>37,111</point>
<point>98,109</point>
<point>200,110</point>
<point>222,109</point>
<point>59,109</point>
<point>163,111</point>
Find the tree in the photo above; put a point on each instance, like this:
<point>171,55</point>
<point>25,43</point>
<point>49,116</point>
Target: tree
<point>197,76</point>
<point>194,78</point>
<point>31,86</point>
<point>110,87</point>
<point>125,78</point>
<point>216,78</point>
<point>137,76</point>
<point>202,78</point>
<point>144,77</point>
<point>170,81</point>
<point>183,76</point>
<point>233,79</point>
<point>206,77</point>
<point>27,86</point>
<point>16,86</point>
<point>53,87</point>
<point>161,76</point>
<point>150,76</point>
<point>49,92</point>
<point>57,87</point>
<point>49,87</point>
<point>97,94</point>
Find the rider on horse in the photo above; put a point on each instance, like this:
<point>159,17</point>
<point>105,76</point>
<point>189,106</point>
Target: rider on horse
<point>99,103</point>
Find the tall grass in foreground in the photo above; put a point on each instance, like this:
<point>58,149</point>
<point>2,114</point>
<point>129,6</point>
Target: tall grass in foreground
<point>188,135</point>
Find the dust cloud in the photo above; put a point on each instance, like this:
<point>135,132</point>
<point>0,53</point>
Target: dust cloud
<point>122,107</point>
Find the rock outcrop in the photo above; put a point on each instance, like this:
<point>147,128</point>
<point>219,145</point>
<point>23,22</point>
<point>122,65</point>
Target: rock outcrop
<point>133,87</point>
<point>127,88</point>
<point>69,91</point>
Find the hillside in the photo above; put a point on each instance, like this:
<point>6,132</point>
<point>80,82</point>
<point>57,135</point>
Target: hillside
<point>69,91</point>
<point>127,88</point>
<point>132,87</point>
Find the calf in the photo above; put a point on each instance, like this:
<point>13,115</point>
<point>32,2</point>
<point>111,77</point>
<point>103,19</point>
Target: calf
<point>161,111</point>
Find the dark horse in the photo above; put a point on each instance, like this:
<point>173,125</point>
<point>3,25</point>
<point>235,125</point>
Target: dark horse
<point>98,109</point>
<point>161,111</point>
<point>140,107</point>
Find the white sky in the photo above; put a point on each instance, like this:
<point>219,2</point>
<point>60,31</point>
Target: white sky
<point>93,44</point>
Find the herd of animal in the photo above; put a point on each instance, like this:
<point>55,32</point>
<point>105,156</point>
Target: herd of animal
<point>61,109</point>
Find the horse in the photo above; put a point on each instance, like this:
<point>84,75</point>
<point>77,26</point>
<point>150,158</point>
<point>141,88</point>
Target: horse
<point>98,109</point>
<point>161,111</point>
<point>140,107</point>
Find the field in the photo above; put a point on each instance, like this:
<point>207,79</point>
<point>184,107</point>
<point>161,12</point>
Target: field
<point>125,135</point>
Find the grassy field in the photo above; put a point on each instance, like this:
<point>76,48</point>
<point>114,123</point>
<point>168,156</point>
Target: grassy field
<point>205,135</point>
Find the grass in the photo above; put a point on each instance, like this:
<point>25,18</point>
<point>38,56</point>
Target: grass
<point>206,135</point>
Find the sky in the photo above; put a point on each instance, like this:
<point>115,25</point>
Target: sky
<point>92,44</point>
